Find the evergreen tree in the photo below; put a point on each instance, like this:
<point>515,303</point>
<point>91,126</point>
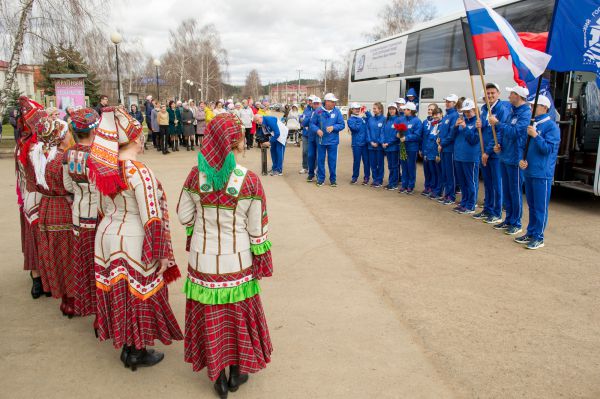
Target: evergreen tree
<point>52,64</point>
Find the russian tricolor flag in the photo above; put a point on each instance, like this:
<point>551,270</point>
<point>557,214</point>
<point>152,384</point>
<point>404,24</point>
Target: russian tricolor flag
<point>494,37</point>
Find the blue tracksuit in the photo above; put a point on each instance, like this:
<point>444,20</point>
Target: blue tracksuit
<point>447,131</point>
<point>415,100</point>
<point>412,143</point>
<point>492,172</point>
<point>375,135</point>
<point>311,141</point>
<point>467,153</point>
<point>269,125</point>
<point>514,135</point>
<point>327,147</point>
<point>304,122</point>
<point>427,126</point>
<point>392,151</point>
<point>541,160</point>
<point>430,152</point>
<point>360,152</point>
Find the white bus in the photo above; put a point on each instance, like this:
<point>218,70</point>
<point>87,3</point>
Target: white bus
<point>432,59</point>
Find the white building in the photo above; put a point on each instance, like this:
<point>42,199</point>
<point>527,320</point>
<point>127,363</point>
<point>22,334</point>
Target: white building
<point>25,78</point>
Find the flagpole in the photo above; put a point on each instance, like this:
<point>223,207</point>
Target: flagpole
<point>535,102</point>
<point>487,101</point>
<point>477,112</point>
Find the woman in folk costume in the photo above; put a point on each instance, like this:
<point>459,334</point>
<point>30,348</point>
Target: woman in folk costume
<point>134,257</point>
<point>224,205</point>
<point>85,209</point>
<point>28,197</point>
<point>55,220</point>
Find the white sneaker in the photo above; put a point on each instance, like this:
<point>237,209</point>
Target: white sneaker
<point>302,171</point>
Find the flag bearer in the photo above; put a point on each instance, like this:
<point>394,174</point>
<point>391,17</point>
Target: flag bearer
<point>446,147</point>
<point>412,139</point>
<point>467,152</point>
<point>539,170</point>
<point>327,123</point>
<point>514,135</point>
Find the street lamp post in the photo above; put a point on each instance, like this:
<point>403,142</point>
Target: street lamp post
<point>116,38</point>
<point>156,65</point>
<point>298,88</point>
<point>191,87</point>
<point>200,98</point>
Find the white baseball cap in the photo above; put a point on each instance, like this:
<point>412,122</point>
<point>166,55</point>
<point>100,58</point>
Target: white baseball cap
<point>410,106</point>
<point>392,105</point>
<point>400,100</point>
<point>496,85</point>
<point>521,91</point>
<point>451,97</point>
<point>316,99</point>
<point>311,97</point>
<point>543,100</point>
<point>330,97</point>
<point>355,105</point>
<point>467,105</point>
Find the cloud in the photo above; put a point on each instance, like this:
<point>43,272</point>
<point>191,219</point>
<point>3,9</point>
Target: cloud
<point>275,37</point>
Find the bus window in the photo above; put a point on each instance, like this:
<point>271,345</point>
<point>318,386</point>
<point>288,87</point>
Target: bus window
<point>435,45</point>
<point>459,52</point>
<point>427,93</point>
<point>410,56</point>
<point>529,15</point>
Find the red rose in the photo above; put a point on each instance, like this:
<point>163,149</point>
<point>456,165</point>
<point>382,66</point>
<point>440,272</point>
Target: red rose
<point>401,127</point>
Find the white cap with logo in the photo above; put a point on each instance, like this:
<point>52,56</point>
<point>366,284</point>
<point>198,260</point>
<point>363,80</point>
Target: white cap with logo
<point>355,106</point>
<point>521,91</point>
<point>400,100</point>
<point>451,97</point>
<point>330,97</point>
<point>316,99</point>
<point>543,100</point>
<point>467,105</point>
<point>392,105</point>
<point>410,106</point>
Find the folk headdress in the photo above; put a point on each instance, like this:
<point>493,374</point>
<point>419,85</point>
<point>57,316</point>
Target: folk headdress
<point>116,128</point>
<point>216,159</point>
<point>84,120</point>
<point>30,113</point>
<point>49,135</point>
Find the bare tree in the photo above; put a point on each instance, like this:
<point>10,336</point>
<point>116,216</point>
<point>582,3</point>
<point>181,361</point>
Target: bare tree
<point>252,85</point>
<point>38,24</point>
<point>400,15</point>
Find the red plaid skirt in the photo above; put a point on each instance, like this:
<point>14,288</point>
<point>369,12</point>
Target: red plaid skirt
<point>83,271</point>
<point>217,336</point>
<point>31,238</point>
<point>132,321</point>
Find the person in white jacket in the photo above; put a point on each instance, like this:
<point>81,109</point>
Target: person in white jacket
<point>293,123</point>
<point>246,115</point>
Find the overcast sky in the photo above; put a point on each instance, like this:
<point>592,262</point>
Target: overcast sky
<point>275,37</point>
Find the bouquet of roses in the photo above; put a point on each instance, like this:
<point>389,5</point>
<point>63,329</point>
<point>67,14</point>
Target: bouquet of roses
<point>401,128</point>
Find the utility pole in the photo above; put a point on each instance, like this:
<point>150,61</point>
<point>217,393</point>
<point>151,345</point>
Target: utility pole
<point>298,87</point>
<point>325,60</point>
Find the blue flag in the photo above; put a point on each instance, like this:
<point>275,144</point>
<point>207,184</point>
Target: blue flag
<point>574,38</point>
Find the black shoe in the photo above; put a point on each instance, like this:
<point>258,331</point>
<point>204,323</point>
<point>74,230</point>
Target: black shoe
<point>236,379</point>
<point>36,288</point>
<point>124,353</point>
<point>143,358</point>
<point>221,385</point>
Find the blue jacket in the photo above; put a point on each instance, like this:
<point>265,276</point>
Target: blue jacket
<point>414,134</point>
<point>412,92</point>
<point>466,143</point>
<point>390,135</point>
<point>427,126</point>
<point>305,120</point>
<point>543,150</point>
<point>375,131</point>
<point>148,108</point>
<point>448,130</point>
<point>321,119</point>
<point>514,134</point>
<point>501,110</point>
<point>358,129</point>
<point>269,125</point>
<point>430,135</point>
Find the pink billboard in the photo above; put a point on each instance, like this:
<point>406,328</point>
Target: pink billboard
<point>69,93</point>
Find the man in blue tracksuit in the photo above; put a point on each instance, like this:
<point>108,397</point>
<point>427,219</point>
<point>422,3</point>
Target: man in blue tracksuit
<point>514,135</point>
<point>538,168</point>
<point>271,127</point>
<point>412,141</point>
<point>311,154</point>
<point>326,123</point>
<point>467,152</point>
<point>357,123</point>
<point>490,162</point>
<point>304,122</point>
<point>375,139</point>
<point>447,131</point>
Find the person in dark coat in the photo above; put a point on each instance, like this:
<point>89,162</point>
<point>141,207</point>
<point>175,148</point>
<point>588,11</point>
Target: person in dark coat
<point>187,123</point>
<point>103,103</point>
<point>173,121</point>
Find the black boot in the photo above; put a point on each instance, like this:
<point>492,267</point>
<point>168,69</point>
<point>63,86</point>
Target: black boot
<point>36,288</point>
<point>142,358</point>
<point>124,353</point>
<point>235,378</point>
<point>177,145</point>
<point>221,385</point>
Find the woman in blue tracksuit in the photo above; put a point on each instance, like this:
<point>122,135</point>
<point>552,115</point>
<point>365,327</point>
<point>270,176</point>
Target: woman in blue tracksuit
<point>427,126</point>
<point>391,145</point>
<point>538,169</point>
<point>375,138</point>
<point>412,139</point>
<point>357,123</point>
<point>467,153</point>
<point>431,156</point>
<point>447,132</point>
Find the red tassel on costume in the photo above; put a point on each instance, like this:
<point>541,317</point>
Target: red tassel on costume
<point>171,274</point>
<point>24,154</point>
<point>106,184</point>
